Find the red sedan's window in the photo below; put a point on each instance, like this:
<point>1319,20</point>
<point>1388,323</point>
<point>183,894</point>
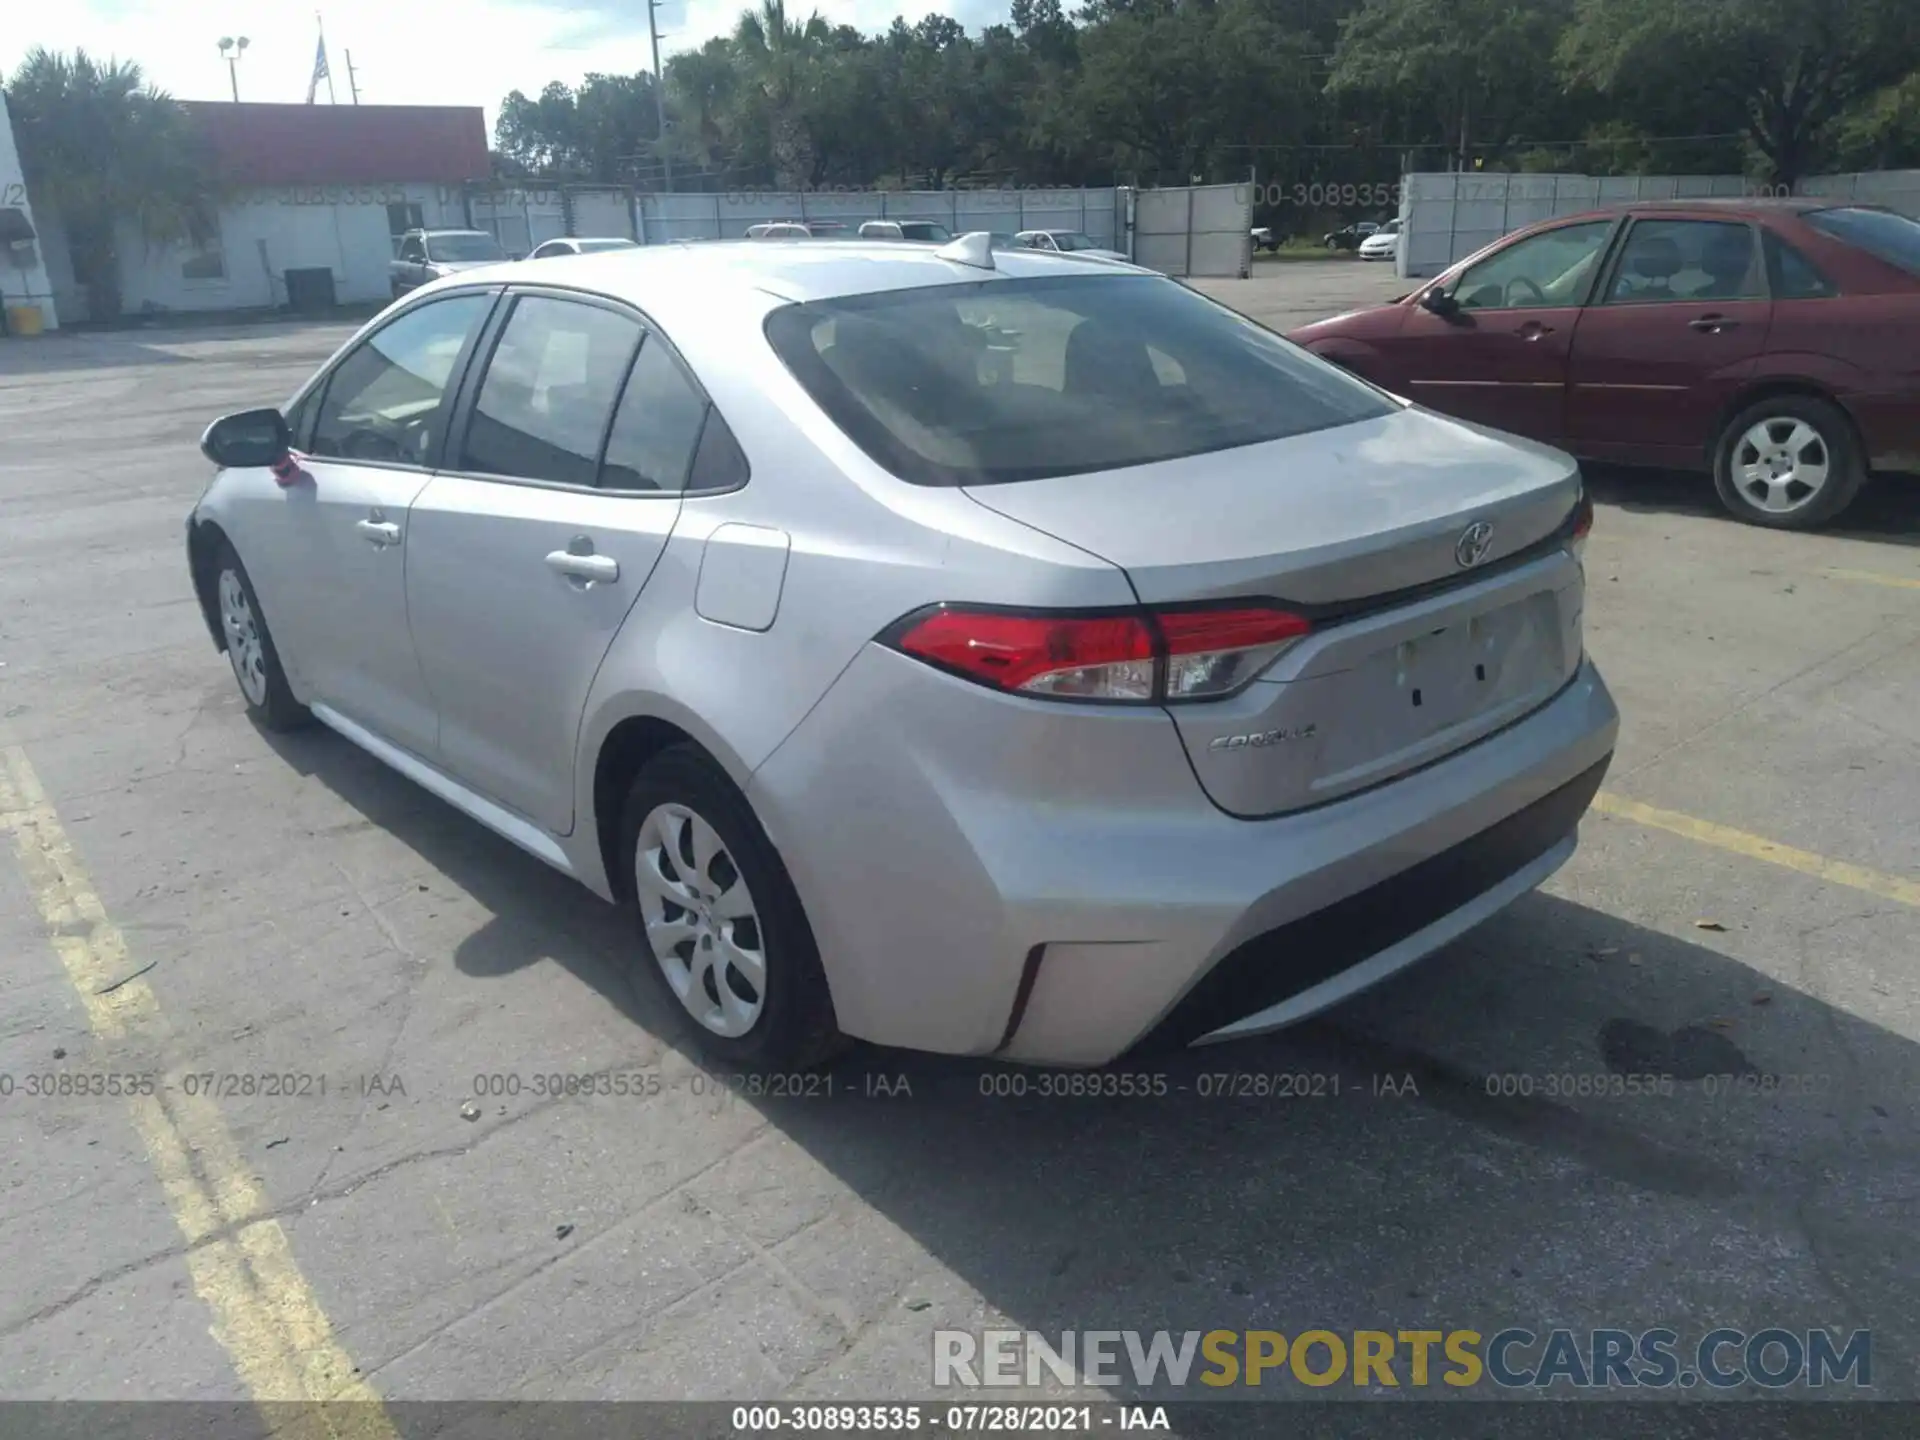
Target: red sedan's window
<point>1791,275</point>
<point>1550,269</point>
<point>1686,260</point>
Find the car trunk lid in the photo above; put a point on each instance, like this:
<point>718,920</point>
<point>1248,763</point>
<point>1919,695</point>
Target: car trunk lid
<point>1423,549</point>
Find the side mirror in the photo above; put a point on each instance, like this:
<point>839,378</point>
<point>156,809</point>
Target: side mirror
<point>1440,302</point>
<point>248,440</point>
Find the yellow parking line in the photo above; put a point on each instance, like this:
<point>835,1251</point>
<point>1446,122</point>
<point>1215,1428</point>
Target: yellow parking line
<point>265,1315</point>
<point>1755,847</point>
<point>1874,577</point>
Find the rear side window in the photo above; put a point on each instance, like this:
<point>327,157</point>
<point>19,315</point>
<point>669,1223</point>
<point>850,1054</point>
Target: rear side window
<point>549,391</point>
<point>1007,380</point>
<point>657,428</point>
<point>1791,275</point>
<point>1889,237</point>
<point>1685,260</point>
<point>383,401</point>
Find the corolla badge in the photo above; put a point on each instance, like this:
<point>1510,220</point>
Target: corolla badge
<point>1474,543</point>
<point>1261,739</point>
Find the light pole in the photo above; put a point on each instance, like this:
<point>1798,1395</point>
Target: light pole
<point>231,50</point>
<point>659,94</point>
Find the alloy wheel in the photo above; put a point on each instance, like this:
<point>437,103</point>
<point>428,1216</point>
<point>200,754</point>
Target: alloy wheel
<point>245,648</point>
<point>700,919</point>
<point>1781,464</point>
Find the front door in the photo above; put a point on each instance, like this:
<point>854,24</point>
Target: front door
<point>344,527</point>
<point>1668,342</point>
<point>1500,356</point>
<point>527,553</point>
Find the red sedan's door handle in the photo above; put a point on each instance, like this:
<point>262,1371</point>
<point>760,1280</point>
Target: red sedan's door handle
<point>1533,330</point>
<point>1712,324</point>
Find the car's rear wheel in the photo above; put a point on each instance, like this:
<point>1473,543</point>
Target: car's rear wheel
<point>250,648</point>
<point>1791,462</point>
<point>721,925</point>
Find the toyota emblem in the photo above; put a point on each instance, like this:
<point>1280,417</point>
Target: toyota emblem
<point>1474,543</point>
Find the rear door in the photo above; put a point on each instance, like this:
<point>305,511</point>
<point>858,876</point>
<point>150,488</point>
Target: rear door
<point>1501,356</point>
<point>1671,336</point>
<point>565,471</point>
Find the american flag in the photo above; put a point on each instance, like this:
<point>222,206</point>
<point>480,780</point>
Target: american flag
<point>320,71</point>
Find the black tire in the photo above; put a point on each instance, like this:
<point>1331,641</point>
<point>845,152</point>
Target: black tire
<point>795,1029</point>
<point>1836,442</point>
<point>269,698</point>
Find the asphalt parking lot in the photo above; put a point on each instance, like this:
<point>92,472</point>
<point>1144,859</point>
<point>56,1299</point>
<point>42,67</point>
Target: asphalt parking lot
<point>183,895</point>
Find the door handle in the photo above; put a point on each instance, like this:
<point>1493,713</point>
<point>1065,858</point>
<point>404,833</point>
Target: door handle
<point>1711,324</point>
<point>602,568</point>
<point>379,532</point>
<point>1533,330</point>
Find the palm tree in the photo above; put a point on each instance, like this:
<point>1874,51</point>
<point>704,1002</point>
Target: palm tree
<point>780,54</point>
<point>101,146</point>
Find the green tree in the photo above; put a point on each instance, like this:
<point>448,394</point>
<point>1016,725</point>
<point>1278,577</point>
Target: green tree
<point>1479,67</point>
<point>100,148</point>
<point>1784,70</point>
<point>780,56</point>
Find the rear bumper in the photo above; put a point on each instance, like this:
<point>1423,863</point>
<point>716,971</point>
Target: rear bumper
<point>979,884</point>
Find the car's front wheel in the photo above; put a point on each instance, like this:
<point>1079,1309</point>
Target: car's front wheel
<point>724,934</point>
<point>250,648</point>
<point>1790,463</point>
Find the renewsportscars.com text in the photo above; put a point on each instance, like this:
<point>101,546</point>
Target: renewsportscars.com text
<point>1513,1358</point>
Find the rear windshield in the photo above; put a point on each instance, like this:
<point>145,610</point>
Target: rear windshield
<point>587,247</point>
<point>455,248</point>
<point>1893,238</point>
<point>1006,380</point>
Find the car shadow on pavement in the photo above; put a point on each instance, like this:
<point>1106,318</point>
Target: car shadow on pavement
<point>48,354</point>
<point>1562,1119</point>
<point>1887,510</point>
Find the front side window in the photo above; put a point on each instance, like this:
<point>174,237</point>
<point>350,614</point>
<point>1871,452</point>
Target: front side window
<point>383,401</point>
<point>658,427</point>
<point>1009,380</point>
<point>549,390</point>
<point>1665,261</point>
<point>412,250</point>
<point>462,249</point>
<point>1881,233</point>
<point>1550,269</point>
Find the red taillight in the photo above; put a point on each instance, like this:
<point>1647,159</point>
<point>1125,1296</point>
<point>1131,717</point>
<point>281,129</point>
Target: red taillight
<point>1139,657</point>
<point>1582,515</point>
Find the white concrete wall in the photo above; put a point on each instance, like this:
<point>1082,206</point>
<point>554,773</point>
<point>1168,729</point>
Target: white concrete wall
<point>22,283</point>
<point>265,233</point>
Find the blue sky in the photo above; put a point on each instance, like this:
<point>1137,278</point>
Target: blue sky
<point>421,52</point>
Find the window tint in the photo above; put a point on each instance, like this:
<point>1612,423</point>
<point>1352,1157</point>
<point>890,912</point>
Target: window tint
<point>1020,379</point>
<point>719,463</point>
<point>1893,238</point>
<point>657,428</point>
<point>550,385</point>
<point>1548,269</point>
<point>1666,261</point>
<point>1791,275</point>
<point>456,248</point>
<point>383,400</point>
<point>412,249</point>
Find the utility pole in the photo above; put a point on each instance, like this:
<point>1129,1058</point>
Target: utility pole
<point>232,50</point>
<point>352,83</point>
<point>659,93</point>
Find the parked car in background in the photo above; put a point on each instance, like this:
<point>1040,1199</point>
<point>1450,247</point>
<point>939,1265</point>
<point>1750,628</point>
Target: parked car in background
<point>1348,237</point>
<point>429,255</point>
<point>1771,343</point>
<point>580,245</point>
<point>1010,712</point>
<point>1264,238</point>
<point>928,230</point>
<point>1383,244</point>
<point>1065,242</point>
<point>797,230</point>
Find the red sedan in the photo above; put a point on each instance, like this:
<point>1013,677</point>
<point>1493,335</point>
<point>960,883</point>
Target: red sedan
<point>1775,343</point>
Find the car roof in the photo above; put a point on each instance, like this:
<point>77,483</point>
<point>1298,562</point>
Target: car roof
<point>818,270</point>
<point>1747,205</point>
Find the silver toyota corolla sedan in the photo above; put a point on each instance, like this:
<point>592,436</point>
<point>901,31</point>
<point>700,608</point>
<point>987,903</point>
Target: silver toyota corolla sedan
<point>975,650</point>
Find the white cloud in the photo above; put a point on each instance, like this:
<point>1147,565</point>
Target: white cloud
<point>406,52</point>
